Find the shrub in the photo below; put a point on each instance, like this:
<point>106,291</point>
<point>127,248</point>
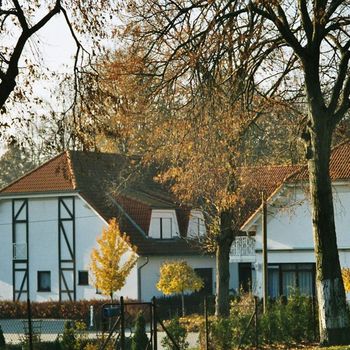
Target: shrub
<point>140,340</point>
<point>288,321</point>
<point>68,337</point>
<point>2,339</point>
<point>222,334</point>
<point>178,333</point>
<point>285,322</point>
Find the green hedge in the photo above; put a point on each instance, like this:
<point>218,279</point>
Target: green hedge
<point>74,310</point>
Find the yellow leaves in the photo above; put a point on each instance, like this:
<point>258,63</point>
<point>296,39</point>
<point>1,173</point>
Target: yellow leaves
<point>177,277</point>
<point>112,262</point>
<point>346,278</point>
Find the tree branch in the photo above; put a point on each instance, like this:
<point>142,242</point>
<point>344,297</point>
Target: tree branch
<point>331,9</point>
<point>345,103</point>
<point>20,15</point>
<point>7,14</point>
<point>46,18</point>
<point>305,19</point>
<point>343,69</point>
<point>282,26</point>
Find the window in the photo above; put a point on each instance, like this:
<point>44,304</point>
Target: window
<point>163,224</point>
<point>245,277</point>
<point>206,274</point>
<point>283,279</point>
<point>44,281</point>
<point>196,225</point>
<point>83,278</point>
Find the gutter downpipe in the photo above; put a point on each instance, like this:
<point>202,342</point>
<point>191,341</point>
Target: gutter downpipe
<point>139,294</point>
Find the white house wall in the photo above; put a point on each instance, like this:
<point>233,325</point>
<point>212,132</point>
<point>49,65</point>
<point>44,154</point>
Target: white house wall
<point>43,247</point>
<point>44,256</point>
<point>5,249</point>
<point>289,231</point>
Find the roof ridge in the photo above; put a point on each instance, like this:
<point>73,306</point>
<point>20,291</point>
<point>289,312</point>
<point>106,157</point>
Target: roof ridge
<point>32,171</point>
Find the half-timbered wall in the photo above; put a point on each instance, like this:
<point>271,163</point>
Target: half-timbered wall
<point>66,248</point>
<point>59,233</point>
<point>20,249</point>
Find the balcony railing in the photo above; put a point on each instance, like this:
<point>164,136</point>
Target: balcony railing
<point>19,251</point>
<point>243,249</point>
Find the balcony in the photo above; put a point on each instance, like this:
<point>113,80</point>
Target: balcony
<point>243,249</point>
<point>19,251</point>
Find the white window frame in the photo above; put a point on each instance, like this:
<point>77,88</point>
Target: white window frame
<point>160,214</point>
<point>196,217</point>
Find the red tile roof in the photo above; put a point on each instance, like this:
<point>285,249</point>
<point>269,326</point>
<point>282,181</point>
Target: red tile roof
<point>339,166</point>
<point>100,178</point>
<point>54,175</point>
<point>271,178</point>
<point>255,181</point>
<point>104,181</point>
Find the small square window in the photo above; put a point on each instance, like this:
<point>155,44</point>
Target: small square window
<point>44,281</point>
<point>83,278</point>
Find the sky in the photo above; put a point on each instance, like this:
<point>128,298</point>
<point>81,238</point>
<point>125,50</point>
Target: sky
<point>54,43</point>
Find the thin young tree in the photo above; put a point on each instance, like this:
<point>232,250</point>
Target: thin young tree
<point>113,260</point>
<point>177,277</point>
<point>302,57</point>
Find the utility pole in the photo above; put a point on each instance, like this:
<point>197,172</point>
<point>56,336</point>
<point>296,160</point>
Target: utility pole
<point>264,250</point>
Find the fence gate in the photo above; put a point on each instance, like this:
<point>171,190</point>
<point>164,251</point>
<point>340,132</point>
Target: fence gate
<point>120,328</point>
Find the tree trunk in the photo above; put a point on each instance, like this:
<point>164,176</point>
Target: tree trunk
<point>333,316</point>
<point>224,242</point>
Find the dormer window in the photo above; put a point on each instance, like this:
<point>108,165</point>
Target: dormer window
<point>163,224</point>
<point>196,224</point>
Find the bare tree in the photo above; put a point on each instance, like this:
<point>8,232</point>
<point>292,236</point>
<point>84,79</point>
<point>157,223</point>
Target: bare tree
<point>20,21</point>
<point>302,55</point>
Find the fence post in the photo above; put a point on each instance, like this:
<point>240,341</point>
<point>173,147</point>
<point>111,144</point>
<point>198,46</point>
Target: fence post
<point>154,321</point>
<point>122,324</point>
<point>206,323</point>
<point>30,328</point>
<point>256,322</point>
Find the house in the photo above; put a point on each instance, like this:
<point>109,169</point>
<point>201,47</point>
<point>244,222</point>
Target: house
<point>291,260</point>
<point>50,219</point>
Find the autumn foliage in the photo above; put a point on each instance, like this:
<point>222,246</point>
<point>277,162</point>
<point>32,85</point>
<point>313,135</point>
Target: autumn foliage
<point>113,261</point>
<point>178,277</point>
<point>346,278</point>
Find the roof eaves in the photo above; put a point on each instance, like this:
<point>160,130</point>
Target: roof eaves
<point>41,193</point>
<point>257,212</point>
